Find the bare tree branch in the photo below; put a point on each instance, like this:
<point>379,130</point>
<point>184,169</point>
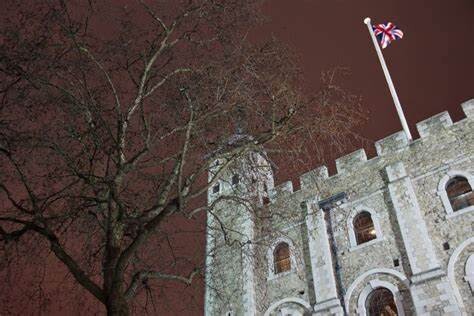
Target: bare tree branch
<point>143,276</point>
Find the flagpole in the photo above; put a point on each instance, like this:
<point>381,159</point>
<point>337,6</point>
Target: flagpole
<point>389,80</point>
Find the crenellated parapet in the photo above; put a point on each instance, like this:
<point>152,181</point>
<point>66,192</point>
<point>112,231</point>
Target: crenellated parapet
<point>468,108</point>
<point>308,179</point>
<point>332,264</point>
<point>434,124</point>
<point>386,149</point>
<point>391,144</point>
<point>351,161</point>
<point>281,190</point>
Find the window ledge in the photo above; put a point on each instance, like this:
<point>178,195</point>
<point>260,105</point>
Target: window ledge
<point>280,275</point>
<point>461,211</point>
<point>366,244</point>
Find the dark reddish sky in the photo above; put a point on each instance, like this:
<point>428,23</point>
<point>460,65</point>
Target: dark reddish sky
<point>432,66</point>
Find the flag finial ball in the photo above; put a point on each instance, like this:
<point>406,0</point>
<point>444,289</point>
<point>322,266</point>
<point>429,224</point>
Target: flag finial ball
<point>367,20</point>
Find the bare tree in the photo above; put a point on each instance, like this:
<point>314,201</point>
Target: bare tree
<point>111,117</point>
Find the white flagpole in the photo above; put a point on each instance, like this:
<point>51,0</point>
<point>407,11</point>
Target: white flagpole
<point>389,80</point>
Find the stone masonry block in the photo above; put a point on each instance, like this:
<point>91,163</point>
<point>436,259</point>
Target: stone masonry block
<point>310,178</point>
<point>396,171</point>
<point>391,144</point>
<point>351,161</point>
<point>400,187</point>
<point>434,123</point>
<point>468,108</point>
<point>280,190</point>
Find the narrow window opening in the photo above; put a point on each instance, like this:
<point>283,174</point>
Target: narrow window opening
<point>235,179</point>
<point>364,228</point>
<point>460,193</point>
<point>446,246</point>
<point>396,262</point>
<point>265,199</point>
<point>282,260</point>
<point>216,188</point>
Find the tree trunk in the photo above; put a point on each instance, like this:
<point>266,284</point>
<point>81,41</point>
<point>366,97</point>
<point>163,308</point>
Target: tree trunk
<point>117,305</point>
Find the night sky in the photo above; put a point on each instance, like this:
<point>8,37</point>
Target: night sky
<point>432,67</point>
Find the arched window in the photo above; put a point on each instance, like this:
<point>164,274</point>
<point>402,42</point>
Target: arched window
<point>460,193</point>
<point>381,303</point>
<point>282,258</point>
<point>364,228</point>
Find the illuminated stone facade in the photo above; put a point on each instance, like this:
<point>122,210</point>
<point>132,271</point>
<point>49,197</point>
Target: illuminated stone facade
<point>421,250</point>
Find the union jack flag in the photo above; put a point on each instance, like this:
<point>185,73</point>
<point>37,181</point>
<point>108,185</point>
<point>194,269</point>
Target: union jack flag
<point>387,33</point>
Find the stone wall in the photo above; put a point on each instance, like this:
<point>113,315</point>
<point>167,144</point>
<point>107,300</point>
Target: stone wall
<point>421,248</point>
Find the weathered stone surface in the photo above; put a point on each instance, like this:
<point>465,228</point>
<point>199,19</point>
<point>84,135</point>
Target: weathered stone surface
<point>420,252</point>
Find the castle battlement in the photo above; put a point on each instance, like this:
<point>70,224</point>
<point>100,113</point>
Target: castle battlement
<point>316,175</point>
<point>391,144</point>
<point>397,226</point>
<point>433,124</point>
<point>468,108</point>
<point>351,161</point>
<point>283,189</point>
<point>385,148</point>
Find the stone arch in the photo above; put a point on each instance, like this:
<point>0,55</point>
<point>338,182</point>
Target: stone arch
<point>469,276</point>
<point>376,284</point>
<point>295,300</point>
<point>398,275</point>
<point>350,225</point>
<point>443,194</point>
<point>451,272</point>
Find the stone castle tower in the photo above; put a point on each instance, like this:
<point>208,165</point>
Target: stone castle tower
<point>393,235</point>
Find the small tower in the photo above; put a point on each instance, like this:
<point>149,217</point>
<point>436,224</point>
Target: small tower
<point>240,186</point>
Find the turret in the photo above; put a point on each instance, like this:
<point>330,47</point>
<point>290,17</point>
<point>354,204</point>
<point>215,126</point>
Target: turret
<point>240,185</point>
<point>248,177</point>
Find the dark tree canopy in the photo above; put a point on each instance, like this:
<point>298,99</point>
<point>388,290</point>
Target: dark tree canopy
<point>110,115</point>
